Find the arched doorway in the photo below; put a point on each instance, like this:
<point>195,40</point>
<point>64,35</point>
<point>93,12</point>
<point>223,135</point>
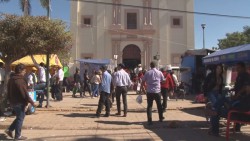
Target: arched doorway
<point>131,56</point>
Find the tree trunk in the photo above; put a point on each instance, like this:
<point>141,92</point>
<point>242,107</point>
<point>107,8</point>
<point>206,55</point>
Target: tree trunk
<point>26,8</point>
<point>3,96</point>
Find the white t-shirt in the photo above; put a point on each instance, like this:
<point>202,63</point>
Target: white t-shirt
<point>31,80</point>
<point>42,74</point>
<point>60,74</point>
<point>175,79</point>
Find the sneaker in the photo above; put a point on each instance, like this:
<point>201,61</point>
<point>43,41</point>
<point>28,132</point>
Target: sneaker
<point>213,134</point>
<point>97,115</point>
<point>118,114</point>
<point>39,106</point>
<point>150,123</point>
<point>168,98</point>
<point>106,115</point>
<point>9,133</point>
<point>21,138</point>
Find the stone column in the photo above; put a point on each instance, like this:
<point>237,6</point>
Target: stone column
<point>114,12</point>
<point>119,12</point>
<point>150,12</point>
<point>150,51</point>
<point>144,56</point>
<point>119,52</point>
<point>144,12</point>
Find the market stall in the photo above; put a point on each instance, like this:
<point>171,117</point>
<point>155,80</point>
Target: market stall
<point>93,64</point>
<point>229,56</point>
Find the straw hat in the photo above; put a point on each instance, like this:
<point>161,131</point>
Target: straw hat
<point>34,68</point>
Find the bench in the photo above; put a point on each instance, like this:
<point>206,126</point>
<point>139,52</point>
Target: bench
<point>230,118</point>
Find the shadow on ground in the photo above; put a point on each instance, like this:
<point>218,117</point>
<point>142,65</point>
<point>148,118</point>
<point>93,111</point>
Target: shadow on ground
<point>196,111</point>
<point>3,137</point>
<point>72,115</point>
<point>181,130</point>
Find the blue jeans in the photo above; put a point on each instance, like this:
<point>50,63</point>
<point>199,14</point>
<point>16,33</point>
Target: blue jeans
<point>18,122</point>
<point>213,97</point>
<point>95,89</point>
<point>104,100</point>
<point>40,86</point>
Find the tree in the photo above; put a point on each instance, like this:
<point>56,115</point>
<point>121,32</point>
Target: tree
<point>25,6</point>
<point>4,0</point>
<point>46,4</point>
<point>235,38</point>
<point>22,36</point>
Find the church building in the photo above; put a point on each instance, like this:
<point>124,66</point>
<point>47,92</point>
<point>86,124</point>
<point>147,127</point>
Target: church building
<point>132,31</point>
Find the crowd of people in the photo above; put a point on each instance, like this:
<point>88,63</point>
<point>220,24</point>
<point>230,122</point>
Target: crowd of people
<point>219,102</point>
<point>110,86</point>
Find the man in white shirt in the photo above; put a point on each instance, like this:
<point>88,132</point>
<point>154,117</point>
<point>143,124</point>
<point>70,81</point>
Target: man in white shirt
<point>122,82</point>
<point>32,79</point>
<point>41,83</point>
<point>59,75</point>
<point>2,76</point>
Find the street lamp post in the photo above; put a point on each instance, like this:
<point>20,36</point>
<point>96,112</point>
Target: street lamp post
<point>203,29</point>
<point>115,58</point>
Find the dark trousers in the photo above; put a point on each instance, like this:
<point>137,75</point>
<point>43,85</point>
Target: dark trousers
<point>18,122</point>
<point>150,98</point>
<point>56,91</point>
<point>121,90</point>
<point>40,96</point>
<point>104,100</point>
<point>164,93</point>
<point>113,96</point>
<point>87,86</point>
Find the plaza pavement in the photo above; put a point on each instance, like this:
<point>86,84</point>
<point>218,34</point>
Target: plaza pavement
<point>73,119</point>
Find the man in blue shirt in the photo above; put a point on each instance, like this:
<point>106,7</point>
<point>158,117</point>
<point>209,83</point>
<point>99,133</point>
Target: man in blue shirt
<point>104,92</point>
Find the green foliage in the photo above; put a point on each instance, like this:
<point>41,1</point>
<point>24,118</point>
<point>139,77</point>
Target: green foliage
<point>4,1</point>
<point>235,39</point>
<point>21,36</point>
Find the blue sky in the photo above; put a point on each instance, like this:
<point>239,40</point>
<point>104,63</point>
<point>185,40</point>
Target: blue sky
<point>216,27</point>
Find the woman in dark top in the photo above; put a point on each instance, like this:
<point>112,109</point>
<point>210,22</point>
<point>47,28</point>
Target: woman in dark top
<point>86,83</point>
<point>77,83</point>
<point>213,86</point>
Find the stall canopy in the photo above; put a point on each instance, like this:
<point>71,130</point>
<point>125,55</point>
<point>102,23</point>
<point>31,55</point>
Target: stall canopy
<point>229,56</point>
<point>54,60</point>
<point>93,65</point>
<point>95,61</point>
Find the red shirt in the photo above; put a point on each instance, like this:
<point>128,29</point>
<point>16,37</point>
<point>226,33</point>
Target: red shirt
<point>169,83</point>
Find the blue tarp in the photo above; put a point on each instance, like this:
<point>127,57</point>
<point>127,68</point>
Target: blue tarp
<point>95,61</point>
<point>92,65</point>
<point>229,55</point>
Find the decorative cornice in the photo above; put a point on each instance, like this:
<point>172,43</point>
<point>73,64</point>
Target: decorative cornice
<point>132,32</point>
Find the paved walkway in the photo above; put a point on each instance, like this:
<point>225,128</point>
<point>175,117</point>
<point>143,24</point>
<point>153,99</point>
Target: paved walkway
<point>73,119</point>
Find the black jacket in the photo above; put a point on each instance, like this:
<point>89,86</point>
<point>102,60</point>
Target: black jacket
<point>17,92</point>
<point>210,83</point>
